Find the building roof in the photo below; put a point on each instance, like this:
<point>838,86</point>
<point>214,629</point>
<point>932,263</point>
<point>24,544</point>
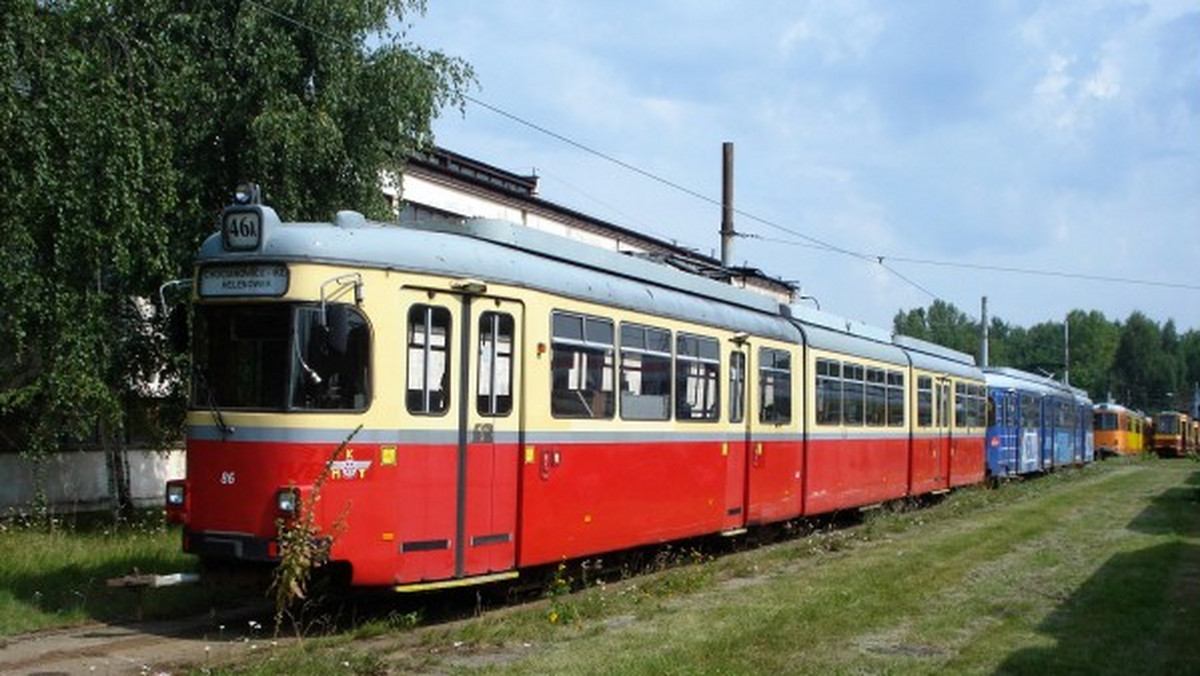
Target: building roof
<point>464,174</point>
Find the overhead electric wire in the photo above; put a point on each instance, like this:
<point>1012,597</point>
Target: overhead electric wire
<point>815,242</point>
<point>984,267</point>
<point>1047,273</point>
<point>604,156</point>
<point>655,177</point>
<point>892,270</point>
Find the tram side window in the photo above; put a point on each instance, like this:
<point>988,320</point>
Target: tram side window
<point>1030,416</point>
<point>775,383</point>
<point>829,392</point>
<point>737,387</point>
<point>961,404</point>
<point>924,401</point>
<point>581,365</point>
<point>853,393</point>
<point>493,396</point>
<point>994,410</point>
<point>895,399</point>
<point>697,378</point>
<point>330,351</point>
<point>876,397</point>
<point>969,405</point>
<point>428,360</point>
<point>943,419</point>
<point>645,373</point>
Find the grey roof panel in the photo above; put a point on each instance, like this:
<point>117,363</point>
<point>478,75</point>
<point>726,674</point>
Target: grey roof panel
<point>505,253</point>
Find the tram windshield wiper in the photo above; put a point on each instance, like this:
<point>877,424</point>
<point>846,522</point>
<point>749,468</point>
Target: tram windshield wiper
<point>203,386</point>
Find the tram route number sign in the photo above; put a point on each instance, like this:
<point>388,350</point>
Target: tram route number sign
<point>241,230</point>
<point>244,280</point>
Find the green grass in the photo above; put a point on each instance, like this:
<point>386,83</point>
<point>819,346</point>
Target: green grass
<point>55,574</point>
<point>1092,572</point>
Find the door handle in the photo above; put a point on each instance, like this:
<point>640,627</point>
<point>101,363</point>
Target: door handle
<point>551,458</point>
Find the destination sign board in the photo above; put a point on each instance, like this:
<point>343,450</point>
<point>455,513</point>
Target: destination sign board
<point>265,279</point>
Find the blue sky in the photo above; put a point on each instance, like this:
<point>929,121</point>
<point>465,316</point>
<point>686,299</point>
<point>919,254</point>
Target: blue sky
<point>952,139</point>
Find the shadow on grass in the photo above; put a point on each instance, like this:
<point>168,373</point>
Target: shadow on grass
<point>54,578</point>
<point>1168,511</point>
<point>1140,612</point>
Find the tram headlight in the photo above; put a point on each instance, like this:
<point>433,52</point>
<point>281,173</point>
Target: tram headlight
<point>176,494</point>
<point>176,501</point>
<point>287,501</point>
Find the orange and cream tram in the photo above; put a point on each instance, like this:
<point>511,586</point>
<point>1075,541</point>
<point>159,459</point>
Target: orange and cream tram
<point>1119,430</point>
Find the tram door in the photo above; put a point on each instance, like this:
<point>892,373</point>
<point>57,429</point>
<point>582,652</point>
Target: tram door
<point>457,476</point>
<point>930,468</point>
<point>945,431</point>
<point>739,448</point>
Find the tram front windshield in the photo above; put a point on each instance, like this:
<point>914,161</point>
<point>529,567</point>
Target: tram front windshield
<point>279,357</point>
<point>1166,424</point>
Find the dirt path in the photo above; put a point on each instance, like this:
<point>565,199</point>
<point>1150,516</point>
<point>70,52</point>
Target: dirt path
<point>143,649</point>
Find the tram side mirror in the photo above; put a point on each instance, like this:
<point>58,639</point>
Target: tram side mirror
<point>177,328</point>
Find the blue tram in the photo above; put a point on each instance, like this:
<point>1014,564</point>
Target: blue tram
<point>1035,424</point>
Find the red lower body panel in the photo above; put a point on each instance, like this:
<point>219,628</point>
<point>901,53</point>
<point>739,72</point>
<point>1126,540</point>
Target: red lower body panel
<point>416,513</point>
<point>968,461</point>
<point>584,499</point>
<point>846,473</point>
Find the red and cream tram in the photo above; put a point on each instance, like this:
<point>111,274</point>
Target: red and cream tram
<point>512,398</point>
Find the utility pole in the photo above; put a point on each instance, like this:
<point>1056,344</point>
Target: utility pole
<point>1067,350</point>
<point>983,316</point>
<point>726,203</point>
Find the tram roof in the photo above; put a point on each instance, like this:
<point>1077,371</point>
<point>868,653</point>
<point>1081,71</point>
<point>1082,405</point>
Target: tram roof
<point>500,252</point>
<point>1115,408</point>
<point>1003,377</point>
<point>931,356</point>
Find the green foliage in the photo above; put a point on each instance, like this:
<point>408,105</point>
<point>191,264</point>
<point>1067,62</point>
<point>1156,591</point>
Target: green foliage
<point>942,323</point>
<point>1138,363</point>
<point>126,126</point>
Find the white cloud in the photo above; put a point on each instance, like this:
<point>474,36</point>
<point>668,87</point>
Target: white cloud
<point>1105,82</point>
<point>836,31</point>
